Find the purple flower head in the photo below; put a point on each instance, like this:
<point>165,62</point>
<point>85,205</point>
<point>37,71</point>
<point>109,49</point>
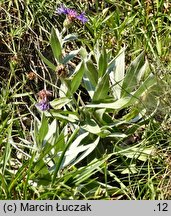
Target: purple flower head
<point>72,14</point>
<point>43,105</point>
<point>44,100</point>
<point>62,10</point>
<point>82,18</point>
<point>67,11</point>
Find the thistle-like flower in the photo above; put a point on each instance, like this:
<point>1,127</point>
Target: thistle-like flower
<point>72,14</point>
<point>43,105</point>
<point>82,18</point>
<point>62,10</point>
<point>43,100</point>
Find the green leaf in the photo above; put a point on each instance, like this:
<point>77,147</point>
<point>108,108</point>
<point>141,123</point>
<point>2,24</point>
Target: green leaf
<point>91,72</point>
<point>7,150</point>
<point>89,148</point>
<point>117,68</point>
<point>102,88</point>
<point>61,157</point>
<point>102,117</point>
<point>18,177</point>
<point>63,115</point>
<point>118,135</point>
<point>91,169</point>
<point>143,89</point>
<point>131,170</point>
<point>139,153</point>
<point>88,86</point>
<point>51,130</point>
<point>131,77</point>
<point>21,95</point>
<point>73,150</point>
<point>58,103</point>
<point>76,78</point>
<point>4,184</point>
<point>71,156</point>
<point>43,130</point>
<point>102,63</point>
<point>47,62</point>
<point>70,56</point>
<point>118,104</point>
<point>64,87</point>
<point>83,53</point>
<point>55,43</point>
<point>69,37</point>
<point>41,167</point>
<point>91,126</point>
<point>58,145</point>
<point>142,71</point>
<point>60,142</point>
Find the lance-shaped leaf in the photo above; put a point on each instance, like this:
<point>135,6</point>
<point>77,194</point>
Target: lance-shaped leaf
<point>47,62</point>
<point>118,104</point>
<point>88,149</point>
<point>78,151</point>
<point>102,63</point>
<point>76,78</point>
<point>58,103</point>
<point>55,43</point>
<point>91,126</point>
<point>70,37</point>
<point>91,72</point>
<point>70,56</point>
<point>88,86</point>
<point>117,70</point>
<point>132,74</point>
<point>143,89</point>
<point>102,88</point>
<point>42,131</point>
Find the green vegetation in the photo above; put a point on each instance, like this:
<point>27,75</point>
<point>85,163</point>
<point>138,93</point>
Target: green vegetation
<point>85,104</point>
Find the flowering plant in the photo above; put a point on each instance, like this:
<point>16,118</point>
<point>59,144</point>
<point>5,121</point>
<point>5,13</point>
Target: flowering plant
<point>83,122</point>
